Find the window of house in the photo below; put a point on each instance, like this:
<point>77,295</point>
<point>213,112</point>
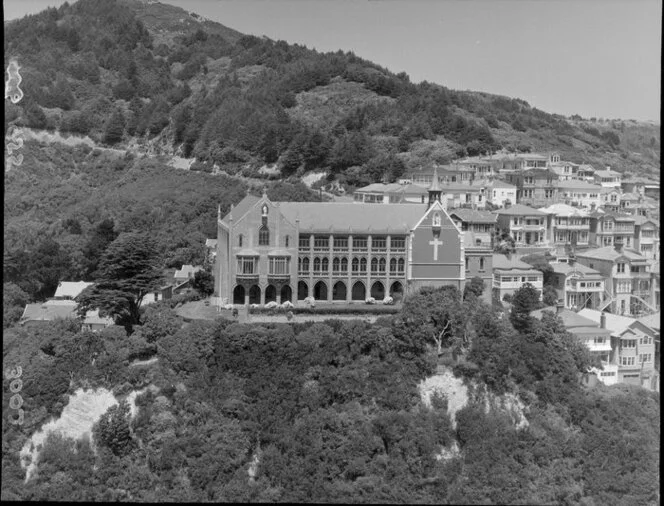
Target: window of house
<point>263,236</point>
<point>286,241</point>
<point>481,264</point>
<point>355,265</point>
<point>321,241</point>
<point>467,264</point>
<point>279,266</point>
<point>325,265</point>
<point>363,265</point>
<point>305,242</point>
<point>359,242</point>
<point>240,240</point>
<point>340,242</point>
<point>381,265</point>
<point>398,242</point>
<point>303,265</point>
<point>378,242</point>
<point>401,265</point>
<point>336,263</point>
<point>316,265</point>
<point>344,265</point>
<point>374,265</point>
<point>247,265</point>
<point>620,267</point>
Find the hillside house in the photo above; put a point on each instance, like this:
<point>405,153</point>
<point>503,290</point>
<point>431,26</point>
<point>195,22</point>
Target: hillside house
<point>628,278</point>
<point>577,285</point>
<point>633,348</point>
<point>567,226</point>
<point>481,223</point>
<point>646,237</point>
<point>526,225</point>
<point>608,178</point>
<point>580,194</point>
<point>510,274</point>
<point>606,229</point>
<point>394,193</point>
<point>500,193</point>
<point>594,336</point>
<point>535,187</point>
<point>69,290</point>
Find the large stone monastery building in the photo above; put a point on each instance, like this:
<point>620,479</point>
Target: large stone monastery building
<point>279,251</point>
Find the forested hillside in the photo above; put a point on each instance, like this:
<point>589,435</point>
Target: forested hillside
<point>122,70</point>
<point>331,413</point>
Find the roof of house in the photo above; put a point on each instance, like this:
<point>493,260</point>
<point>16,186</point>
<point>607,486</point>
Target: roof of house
<point>474,215</point>
<point>187,271</point>
<point>640,220</point>
<point>501,262</point>
<point>93,318</point>
<point>48,312</point>
<point>615,215</point>
<point>520,210</point>
<point>640,180</point>
<point>71,288</point>
<point>570,318</point>
<point>414,189</point>
<point>575,184</point>
<point>210,243</point>
<point>566,269</point>
<point>610,253</point>
<point>653,321</point>
<point>497,183</point>
<point>350,216</point>
<point>616,323</point>
<point>607,173</point>
<point>630,196</point>
<point>241,208</point>
<point>564,210</point>
<point>381,188</point>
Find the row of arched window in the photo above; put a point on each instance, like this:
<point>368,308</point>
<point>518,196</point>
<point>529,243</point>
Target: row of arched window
<point>358,265</point>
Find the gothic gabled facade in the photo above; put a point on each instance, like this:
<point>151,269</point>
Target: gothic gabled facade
<point>278,251</point>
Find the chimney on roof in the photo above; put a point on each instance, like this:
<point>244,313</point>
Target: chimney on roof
<point>559,307</point>
<point>602,320</point>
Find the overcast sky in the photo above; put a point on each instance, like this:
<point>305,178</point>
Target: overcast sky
<point>596,58</point>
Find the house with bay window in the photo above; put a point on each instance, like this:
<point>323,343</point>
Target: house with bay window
<point>567,226</point>
<point>526,225</point>
<point>510,274</point>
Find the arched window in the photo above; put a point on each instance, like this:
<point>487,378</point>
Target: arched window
<point>316,264</point>
<point>436,220</point>
<point>325,265</point>
<point>355,265</point>
<point>374,265</point>
<point>287,241</point>
<point>335,265</point>
<point>305,264</point>
<point>481,264</point>
<point>239,240</point>
<point>381,265</point>
<point>393,265</point>
<point>344,265</point>
<point>363,265</point>
<point>263,236</point>
<point>401,265</point>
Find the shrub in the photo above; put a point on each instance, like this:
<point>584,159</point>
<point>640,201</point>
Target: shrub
<point>370,300</point>
<point>388,300</point>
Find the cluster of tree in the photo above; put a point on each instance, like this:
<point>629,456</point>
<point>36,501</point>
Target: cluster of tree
<point>332,412</point>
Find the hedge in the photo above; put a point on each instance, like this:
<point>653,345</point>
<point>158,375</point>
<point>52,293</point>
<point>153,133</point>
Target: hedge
<point>325,310</point>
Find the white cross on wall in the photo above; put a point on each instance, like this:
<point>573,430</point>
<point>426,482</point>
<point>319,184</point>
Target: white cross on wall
<point>435,243</point>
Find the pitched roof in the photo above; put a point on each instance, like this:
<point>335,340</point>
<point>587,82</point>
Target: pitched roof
<point>570,318</point>
<point>47,312</point>
<point>630,196</point>
<point>187,271</point>
<point>567,269</point>
<point>474,216</point>
<point>640,220</point>
<point>616,323</point>
<point>564,210</point>
<point>415,188</point>
<point>71,288</point>
<point>607,173</point>
<point>501,262</point>
<point>610,253</point>
<point>352,216</point>
<point>497,183</point>
<point>241,208</point>
<point>520,210</point>
<point>653,321</point>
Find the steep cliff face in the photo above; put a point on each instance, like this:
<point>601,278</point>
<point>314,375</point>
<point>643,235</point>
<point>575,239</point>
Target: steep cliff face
<point>84,409</point>
<point>458,395</point>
